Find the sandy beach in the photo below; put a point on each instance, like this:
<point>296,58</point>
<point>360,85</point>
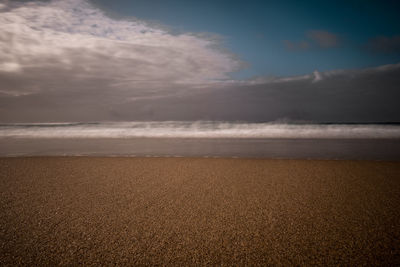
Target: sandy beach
<point>193,211</point>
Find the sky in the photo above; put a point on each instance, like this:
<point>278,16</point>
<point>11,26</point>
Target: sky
<point>284,37</point>
<point>97,60</point>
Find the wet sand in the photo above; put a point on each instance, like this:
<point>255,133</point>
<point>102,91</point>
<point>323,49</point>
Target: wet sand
<point>188,211</point>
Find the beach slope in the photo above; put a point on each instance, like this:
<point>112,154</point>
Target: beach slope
<point>188,211</point>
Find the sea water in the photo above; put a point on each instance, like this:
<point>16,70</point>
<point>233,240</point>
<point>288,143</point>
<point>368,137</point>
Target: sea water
<point>203,139</point>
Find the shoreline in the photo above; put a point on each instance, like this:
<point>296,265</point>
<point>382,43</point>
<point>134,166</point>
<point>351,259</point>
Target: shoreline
<point>347,149</point>
<point>395,161</point>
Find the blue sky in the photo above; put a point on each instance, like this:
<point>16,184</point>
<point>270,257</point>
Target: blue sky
<point>258,31</point>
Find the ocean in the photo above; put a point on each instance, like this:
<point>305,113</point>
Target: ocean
<point>202,139</point>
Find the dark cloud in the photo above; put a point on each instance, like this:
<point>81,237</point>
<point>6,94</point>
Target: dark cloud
<point>369,95</point>
<point>323,39</point>
<point>315,39</point>
<point>296,46</point>
<point>384,44</point>
<point>343,96</point>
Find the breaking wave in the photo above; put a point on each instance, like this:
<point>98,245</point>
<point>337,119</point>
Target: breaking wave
<point>198,129</point>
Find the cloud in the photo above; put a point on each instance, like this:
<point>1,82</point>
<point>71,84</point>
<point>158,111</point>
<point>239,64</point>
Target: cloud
<point>315,39</point>
<point>329,75</point>
<point>384,44</point>
<point>297,46</point>
<point>317,76</point>
<point>323,39</point>
<point>272,79</point>
<point>47,45</point>
<point>364,95</point>
<point>10,67</point>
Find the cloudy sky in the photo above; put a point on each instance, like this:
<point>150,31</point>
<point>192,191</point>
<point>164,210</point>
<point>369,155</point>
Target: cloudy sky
<point>81,60</point>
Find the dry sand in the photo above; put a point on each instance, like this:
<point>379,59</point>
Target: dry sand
<point>158,211</point>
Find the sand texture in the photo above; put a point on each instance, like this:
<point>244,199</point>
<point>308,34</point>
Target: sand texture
<point>182,211</point>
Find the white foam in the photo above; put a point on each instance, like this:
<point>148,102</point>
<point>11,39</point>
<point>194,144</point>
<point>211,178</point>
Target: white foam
<point>198,129</point>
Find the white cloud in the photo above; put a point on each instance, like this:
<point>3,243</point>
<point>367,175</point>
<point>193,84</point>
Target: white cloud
<point>9,66</point>
<point>273,79</point>
<point>317,76</point>
<point>75,40</point>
